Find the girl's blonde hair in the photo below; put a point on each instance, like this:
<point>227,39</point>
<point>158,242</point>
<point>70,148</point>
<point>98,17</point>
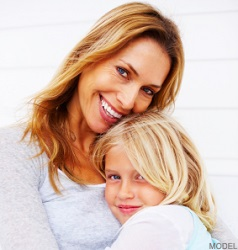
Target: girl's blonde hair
<point>162,152</point>
<point>110,34</point>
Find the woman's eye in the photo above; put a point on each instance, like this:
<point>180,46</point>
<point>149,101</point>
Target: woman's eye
<point>148,91</point>
<point>122,72</point>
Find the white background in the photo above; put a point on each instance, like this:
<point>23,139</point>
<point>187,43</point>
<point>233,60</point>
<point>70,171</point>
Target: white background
<point>35,36</point>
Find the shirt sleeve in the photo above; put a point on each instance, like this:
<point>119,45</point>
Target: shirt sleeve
<point>222,233</point>
<point>154,231</point>
<point>23,220</point>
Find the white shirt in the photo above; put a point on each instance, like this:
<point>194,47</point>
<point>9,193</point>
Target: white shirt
<point>167,227</point>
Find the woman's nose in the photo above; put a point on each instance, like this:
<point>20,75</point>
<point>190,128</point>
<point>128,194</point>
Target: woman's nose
<point>127,96</point>
<point>125,191</point>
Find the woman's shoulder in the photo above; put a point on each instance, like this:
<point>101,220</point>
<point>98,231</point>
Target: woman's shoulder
<point>11,133</point>
<point>11,138</point>
<point>19,155</point>
<point>15,146</point>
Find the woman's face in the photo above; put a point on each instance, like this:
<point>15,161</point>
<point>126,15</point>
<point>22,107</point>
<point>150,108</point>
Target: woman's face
<point>127,192</point>
<point>122,84</point>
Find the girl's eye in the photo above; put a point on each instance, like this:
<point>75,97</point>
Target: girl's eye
<point>140,177</point>
<point>114,177</point>
<point>148,91</point>
<point>122,72</point>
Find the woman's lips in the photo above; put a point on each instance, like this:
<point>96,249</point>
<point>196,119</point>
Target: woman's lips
<point>110,110</point>
<point>107,112</point>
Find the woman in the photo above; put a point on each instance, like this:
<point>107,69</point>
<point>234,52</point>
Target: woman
<point>130,61</point>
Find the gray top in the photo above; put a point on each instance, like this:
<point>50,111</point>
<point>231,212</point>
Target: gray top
<point>34,217</point>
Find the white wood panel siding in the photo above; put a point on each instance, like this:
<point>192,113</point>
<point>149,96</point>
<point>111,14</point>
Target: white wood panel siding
<point>23,13</point>
<point>215,35</point>
<point>209,84</point>
<point>214,131</point>
<point>36,35</point>
<point>225,189</point>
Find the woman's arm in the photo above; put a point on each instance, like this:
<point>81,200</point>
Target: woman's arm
<point>23,221</point>
<point>223,233</point>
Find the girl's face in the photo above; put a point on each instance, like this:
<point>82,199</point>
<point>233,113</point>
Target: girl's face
<point>122,84</point>
<point>126,190</point>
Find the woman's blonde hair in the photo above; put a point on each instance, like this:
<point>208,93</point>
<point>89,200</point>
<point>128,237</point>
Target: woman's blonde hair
<point>108,36</point>
<point>162,152</point>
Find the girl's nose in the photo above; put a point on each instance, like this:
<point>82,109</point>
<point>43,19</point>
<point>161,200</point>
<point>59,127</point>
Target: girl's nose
<point>125,191</point>
<point>128,95</point>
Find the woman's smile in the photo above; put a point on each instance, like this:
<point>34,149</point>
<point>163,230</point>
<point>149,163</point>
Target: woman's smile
<point>108,112</point>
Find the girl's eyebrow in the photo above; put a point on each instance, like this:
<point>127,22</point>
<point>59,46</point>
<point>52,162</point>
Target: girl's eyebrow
<point>109,170</point>
<point>137,74</point>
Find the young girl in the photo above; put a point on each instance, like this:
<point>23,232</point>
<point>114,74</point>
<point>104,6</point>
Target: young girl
<point>155,185</point>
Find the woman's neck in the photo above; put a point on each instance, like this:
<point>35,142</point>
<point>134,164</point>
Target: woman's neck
<point>81,139</point>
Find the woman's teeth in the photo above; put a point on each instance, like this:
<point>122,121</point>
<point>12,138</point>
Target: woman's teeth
<point>109,110</point>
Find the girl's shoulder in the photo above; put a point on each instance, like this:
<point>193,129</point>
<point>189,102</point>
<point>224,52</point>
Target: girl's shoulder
<point>178,222</point>
<point>158,227</point>
<point>175,219</point>
<point>175,213</point>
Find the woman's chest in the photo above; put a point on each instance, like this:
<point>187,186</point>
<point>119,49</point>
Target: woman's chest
<point>80,217</point>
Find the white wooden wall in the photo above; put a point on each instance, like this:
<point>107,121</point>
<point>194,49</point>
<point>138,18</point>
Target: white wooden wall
<point>36,35</point>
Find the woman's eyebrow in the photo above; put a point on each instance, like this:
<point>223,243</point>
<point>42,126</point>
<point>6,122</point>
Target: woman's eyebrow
<point>158,86</point>
<point>131,68</point>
